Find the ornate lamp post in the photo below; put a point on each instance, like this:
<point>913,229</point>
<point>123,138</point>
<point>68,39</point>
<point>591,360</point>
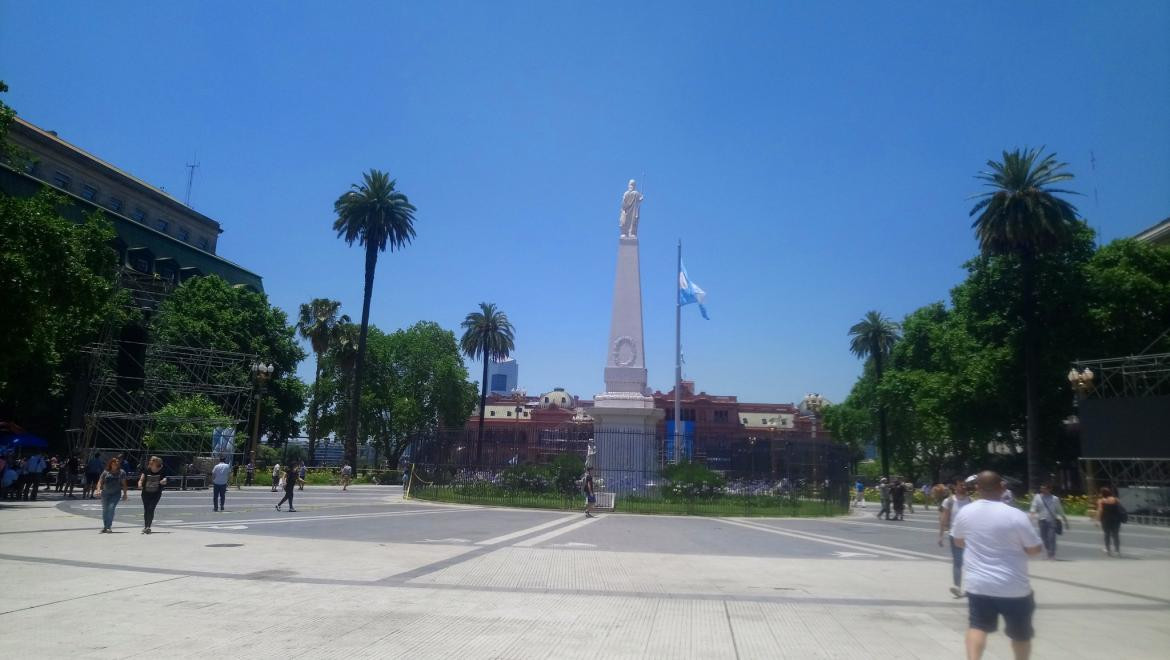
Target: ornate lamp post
<point>752,456</point>
<point>1081,381</point>
<point>261,372</point>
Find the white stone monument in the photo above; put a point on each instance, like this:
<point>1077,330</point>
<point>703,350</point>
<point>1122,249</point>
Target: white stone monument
<point>625,419</point>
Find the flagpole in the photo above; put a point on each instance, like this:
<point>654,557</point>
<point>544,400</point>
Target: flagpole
<point>677,354</point>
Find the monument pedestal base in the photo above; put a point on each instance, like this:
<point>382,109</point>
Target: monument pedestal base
<point>625,431</point>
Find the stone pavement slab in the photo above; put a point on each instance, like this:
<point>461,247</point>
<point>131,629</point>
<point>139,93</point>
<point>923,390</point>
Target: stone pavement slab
<point>522,591</point>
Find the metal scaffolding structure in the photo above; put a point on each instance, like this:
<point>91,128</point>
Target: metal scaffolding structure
<point>1143,481</point>
<point>130,379</point>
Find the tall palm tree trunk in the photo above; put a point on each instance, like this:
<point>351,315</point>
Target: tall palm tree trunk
<point>314,410</point>
<point>482,405</point>
<point>883,441</point>
<point>1031,374</point>
<point>356,395</point>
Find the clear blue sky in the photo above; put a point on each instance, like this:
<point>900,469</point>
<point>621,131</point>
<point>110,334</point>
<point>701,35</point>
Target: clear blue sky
<point>815,159</point>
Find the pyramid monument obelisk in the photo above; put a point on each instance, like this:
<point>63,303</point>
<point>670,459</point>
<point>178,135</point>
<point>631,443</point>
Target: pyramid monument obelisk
<point>625,420</point>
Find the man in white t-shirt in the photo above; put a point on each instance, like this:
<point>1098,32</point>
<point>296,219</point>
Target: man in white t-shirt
<point>996,539</point>
<point>950,508</point>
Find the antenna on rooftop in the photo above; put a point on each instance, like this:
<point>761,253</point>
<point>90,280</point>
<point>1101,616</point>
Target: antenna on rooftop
<point>191,176</point>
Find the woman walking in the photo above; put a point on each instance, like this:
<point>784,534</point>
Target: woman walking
<point>113,485</point>
<point>275,476</point>
<point>898,493</point>
<point>151,483</point>
<point>1109,516</point>
<point>290,484</point>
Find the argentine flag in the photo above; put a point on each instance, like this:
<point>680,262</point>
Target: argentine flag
<point>689,292</point>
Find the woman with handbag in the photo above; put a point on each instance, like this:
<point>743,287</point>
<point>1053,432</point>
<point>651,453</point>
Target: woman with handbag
<point>1047,510</point>
<point>1110,515</point>
<point>290,484</point>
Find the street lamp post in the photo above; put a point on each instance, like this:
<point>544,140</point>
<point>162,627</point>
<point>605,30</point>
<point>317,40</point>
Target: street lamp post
<point>752,457</point>
<point>1081,381</point>
<point>261,372</point>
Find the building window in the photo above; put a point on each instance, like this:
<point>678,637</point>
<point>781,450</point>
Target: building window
<point>161,224</point>
<point>62,180</point>
<point>184,234</point>
<point>88,192</point>
<point>139,215</point>
<point>115,205</point>
<point>721,416</point>
<point>764,421</point>
<point>491,413</point>
<point>509,413</point>
<point>745,421</point>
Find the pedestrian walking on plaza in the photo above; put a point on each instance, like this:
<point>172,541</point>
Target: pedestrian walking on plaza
<point>219,483</point>
<point>301,472</point>
<point>346,475</point>
<point>113,485</point>
<point>151,482</point>
<point>860,493</point>
<point>590,496</point>
<point>946,517</point>
<point>1047,511</point>
<point>275,476</point>
<point>1008,497</point>
<point>884,495</point>
<point>898,495</point>
<point>997,540</point>
<point>249,473</point>
<point>1110,515</point>
<point>93,471</point>
<point>909,489</point>
<point>290,484</point>
<point>34,469</point>
<point>72,466</point>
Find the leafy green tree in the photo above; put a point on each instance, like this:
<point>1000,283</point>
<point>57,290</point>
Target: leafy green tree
<point>207,312</point>
<point>1128,295</point>
<point>487,335</point>
<point>1023,216</point>
<point>873,337</point>
<point>56,285</point>
<point>185,424</point>
<point>417,384</point>
<point>320,324</point>
<point>377,216</point>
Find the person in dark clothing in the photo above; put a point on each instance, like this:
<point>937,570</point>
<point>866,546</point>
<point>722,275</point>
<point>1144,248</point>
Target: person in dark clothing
<point>898,495</point>
<point>72,467</point>
<point>93,470</point>
<point>290,484</point>
<point>1109,516</point>
<point>151,482</point>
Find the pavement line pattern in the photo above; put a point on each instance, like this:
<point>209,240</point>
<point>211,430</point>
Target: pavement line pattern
<point>1140,552</point>
<point>292,518</point>
<point>528,543</point>
<point>99,593</point>
<point>525,532</point>
<point>828,540</point>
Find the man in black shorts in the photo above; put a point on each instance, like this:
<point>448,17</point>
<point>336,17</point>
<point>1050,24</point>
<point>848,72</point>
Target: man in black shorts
<point>997,540</point>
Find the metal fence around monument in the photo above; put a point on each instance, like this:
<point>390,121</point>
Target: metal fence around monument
<point>542,468</point>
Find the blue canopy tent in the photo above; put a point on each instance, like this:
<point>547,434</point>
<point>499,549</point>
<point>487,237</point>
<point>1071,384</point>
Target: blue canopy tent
<point>23,441</point>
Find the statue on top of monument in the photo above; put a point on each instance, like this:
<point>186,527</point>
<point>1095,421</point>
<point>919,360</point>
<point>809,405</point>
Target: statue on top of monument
<point>631,203</point>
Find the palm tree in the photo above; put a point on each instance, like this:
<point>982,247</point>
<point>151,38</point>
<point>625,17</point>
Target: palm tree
<point>1023,217</point>
<point>487,335</point>
<point>319,323</point>
<point>377,216</point>
<point>874,337</point>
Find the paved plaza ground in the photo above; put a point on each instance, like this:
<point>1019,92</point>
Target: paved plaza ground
<point>366,574</point>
